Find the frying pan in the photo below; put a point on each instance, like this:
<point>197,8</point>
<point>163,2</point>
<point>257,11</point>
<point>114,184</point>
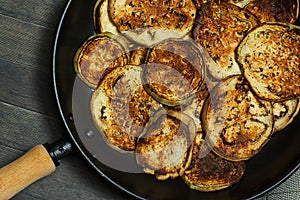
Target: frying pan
<point>279,158</point>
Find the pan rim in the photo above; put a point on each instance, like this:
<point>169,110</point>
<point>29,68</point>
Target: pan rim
<point>70,134</point>
<point>276,182</point>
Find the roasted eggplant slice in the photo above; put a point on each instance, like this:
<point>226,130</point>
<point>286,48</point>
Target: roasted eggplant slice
<point>98,55</point>
<point>138,55</point>
<point>164,149</point>
<point>237,123</point>
<point>194,109</point>
<point>149,22</point>
<point>240,3</point>
<point>284,113</point>
<point>121,107</point>
<point>102,21</point>
<point>209,172</point>
<point>199,3</point>
<point>286,11</point>
<point>219,27</point>
<point>174,71</point>
<point>209,63</point>
<point>269,57</point>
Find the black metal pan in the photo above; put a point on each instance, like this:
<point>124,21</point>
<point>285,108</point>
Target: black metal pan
<point>273,165</point>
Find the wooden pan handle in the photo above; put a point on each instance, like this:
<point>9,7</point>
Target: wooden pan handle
<point>30,167</point>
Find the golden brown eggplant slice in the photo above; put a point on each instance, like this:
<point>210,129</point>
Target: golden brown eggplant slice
<point>237,123</point>
<point>102,21</point>
<point>194,109</point>
<point>284,113</point>
<point>199,3</point>
<point>149,22</point>
<point>98,55</point>
<point>269,57</point>
<point>209,172</point>
<point>219,27</point>
<point>121,107</point>
<point>165,145</point>
<point>240,3</point>
<point>209,63</point>
<point>174,71</point>
<point>286,11</point>
<point>138,55</point>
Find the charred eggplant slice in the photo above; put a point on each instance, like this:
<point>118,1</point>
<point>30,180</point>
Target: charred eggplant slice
<point>219,28</point>
<point>102,21</point>
<point>240,3</point>
<point>149,22</point>
<point>284,113</point>
<point>192,88</point>
<point>138,55</point>
<point>269,57</point>
<point>98,55</point>
<point>275,11</point>
<point>174,71</point>
<point>237,123</point>
<point>164,147</point>
<point>209,172</point>
<point>121,107</point>
<point>194,109</point>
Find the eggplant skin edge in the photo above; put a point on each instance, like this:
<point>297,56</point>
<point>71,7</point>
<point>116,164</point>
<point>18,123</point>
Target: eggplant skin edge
<point>196,186</point>
<point>88,73</point>
<point>216,119</point>
<point>144,145</point>
<point>265,83</point>
<point>184,62</point>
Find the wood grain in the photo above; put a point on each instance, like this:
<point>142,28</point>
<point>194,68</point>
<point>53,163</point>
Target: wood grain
<point>29,114</point>
<point>27,169</point>
<point>21,129</point>
<point>43,13</point>
<point>26,52</point>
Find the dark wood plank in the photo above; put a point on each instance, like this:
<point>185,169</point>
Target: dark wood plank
<point>26,64</point>
<point>43,13</point>
<point>25,43</point>
<point>29,88</point>
<point>22,129</point>
<point>29,114</point>
<point>28,108</point>
<point>73,179</point>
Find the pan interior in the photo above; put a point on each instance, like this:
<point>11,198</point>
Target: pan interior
<point>278,159</point>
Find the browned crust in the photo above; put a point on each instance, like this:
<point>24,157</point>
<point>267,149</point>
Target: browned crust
<point>163,149</point>
<point>174,71</point>
<point>96,16</point>
<point>239,3</point>
<point>209,172</point>
<point>219,27</point>
<point>194,109</point>
<point>138,55</point>
<point>136,14</point>
<point>236,122</point>
<point>269,57</point>
<point>284,113</point>
<point>199,3</point>
<point>286,11</point>
<point>98,55</point>
<point>101,18</point>
<point>150,22</point>
<point>121,107</point>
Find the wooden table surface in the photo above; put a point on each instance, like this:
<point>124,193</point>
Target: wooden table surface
<point>29,114</point>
